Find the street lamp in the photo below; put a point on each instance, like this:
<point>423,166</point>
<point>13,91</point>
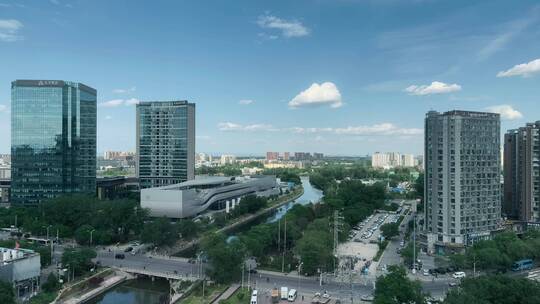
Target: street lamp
<point>299,271</point>
<point>91,232</point>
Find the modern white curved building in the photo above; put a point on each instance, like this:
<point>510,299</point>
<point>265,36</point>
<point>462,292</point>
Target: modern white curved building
<point>191,198</point>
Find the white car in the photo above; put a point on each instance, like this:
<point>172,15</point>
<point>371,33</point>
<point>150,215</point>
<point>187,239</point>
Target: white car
<point>426,272</point>
<point>459,275</point>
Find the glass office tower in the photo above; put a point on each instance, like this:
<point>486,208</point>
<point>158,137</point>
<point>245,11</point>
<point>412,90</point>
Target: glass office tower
<point>165,142</point>
<point>53,139</point>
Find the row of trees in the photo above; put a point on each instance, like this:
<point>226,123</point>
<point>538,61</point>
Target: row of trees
<point>500,253</point>
<point>396,288</point>
<point>77,215</point>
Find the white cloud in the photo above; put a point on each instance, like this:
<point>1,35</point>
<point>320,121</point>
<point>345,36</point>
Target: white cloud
<point>245,102</point>
<point>524,69</point>
<point>508,32</point>
<point>9,30</point>
<point>234,127</point>
<point>3,108</point>
<point>436,87</point>
<point>131,102</point>
<point>288,29</point>
<point>317,95</point>
<point>125,91</point>
<point>112,103</point>
<point>382,129</point>
<point>507,112</point>
<point>376,129</point>
<point>108,117</point>
<point>119,102</point>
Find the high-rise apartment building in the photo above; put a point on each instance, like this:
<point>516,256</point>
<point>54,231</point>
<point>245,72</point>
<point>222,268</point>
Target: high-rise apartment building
<point>53,139</point>
<point>165,142</point>
<point>271,156</point>
<point>302,156</point>
<point>408,160</point>
<point>462,183</point>
<point>286,155</point>
<point>392,160</point>
<point>522,173</point>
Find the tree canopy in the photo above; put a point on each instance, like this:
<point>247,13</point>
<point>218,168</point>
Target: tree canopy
<point>492,289</point>
<point>396,288</point>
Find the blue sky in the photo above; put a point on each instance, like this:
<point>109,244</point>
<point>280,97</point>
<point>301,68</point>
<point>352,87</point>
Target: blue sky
<point>342,77</point>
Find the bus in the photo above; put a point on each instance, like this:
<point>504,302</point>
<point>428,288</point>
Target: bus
<point>522,265</point>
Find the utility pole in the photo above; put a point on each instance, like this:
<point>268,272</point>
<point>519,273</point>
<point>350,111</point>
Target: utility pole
<point>243,266</point>
<point>337,229</point>
<point>279,234</point>
<point>249,277</point>
<point>284,248</point>
<point>414,243</point>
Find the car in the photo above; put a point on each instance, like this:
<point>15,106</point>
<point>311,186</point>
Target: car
<point>119,256</point>
<point>192,261</point>
<point>459,275</point>
<point>129,249</point>
<point>452,284</point>
<point>426,272</point>
<point>367,298</point>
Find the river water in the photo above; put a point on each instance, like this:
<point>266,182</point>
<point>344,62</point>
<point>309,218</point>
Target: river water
<point>139,291</point>
<point>311,195</point>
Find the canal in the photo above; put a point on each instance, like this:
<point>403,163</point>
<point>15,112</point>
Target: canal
<point>138,291</point>
<point>311,195</point>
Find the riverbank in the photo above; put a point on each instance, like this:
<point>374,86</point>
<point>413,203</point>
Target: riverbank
<point>244,220</point>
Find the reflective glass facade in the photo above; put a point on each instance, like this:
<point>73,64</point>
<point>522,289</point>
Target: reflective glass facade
<point>53,139</point>
<point>165,142</point>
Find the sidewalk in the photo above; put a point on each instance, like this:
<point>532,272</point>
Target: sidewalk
<point>227,294</point>
<point>105,285</point>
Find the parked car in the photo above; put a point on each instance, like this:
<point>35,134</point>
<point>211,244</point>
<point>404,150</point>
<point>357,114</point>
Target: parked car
<point>129,249</point>
<point>119,256</point>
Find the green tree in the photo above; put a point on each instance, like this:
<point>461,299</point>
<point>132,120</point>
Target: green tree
<point>159,232</point>
<point>491,289</point>
<point>80,260</point>
<point>51,284</point>
<point>390,230</point>
<point>225,258</point>
<point>7,296</point>
<point>315,247</point>
<point>396,288</point>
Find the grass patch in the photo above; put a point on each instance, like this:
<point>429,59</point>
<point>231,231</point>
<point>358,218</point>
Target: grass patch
<point>44,298</point>
<point>241,296</point>
<point>382,247</point>
<point>210,292</point>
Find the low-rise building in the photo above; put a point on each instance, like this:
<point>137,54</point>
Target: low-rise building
<point>191,198</point>
<point>22,269</point>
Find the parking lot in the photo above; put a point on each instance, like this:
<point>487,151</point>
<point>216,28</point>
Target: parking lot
<point>362,245</point>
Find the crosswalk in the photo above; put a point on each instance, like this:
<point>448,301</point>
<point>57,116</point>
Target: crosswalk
<point>534,275</point>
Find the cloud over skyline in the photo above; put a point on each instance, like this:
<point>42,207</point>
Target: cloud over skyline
<point>436,87</point>
<point>524,70</point>
<point>9,30</point>
<point>288,29</point>
<point>326,93</point>
<point>119,102</point>
<point>507,112</point>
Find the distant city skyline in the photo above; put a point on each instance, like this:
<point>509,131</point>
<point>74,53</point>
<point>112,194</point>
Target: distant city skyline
<point>337,77</point>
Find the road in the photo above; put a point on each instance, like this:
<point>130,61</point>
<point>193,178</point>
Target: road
<point>148,263</point>
<point>263,280</point>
